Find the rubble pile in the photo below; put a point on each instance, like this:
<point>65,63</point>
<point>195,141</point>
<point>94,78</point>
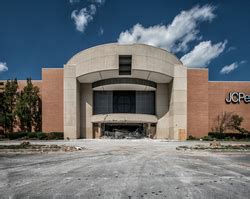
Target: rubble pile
<point>217,146</point>
<point>28,147</point>
<point>123,134</point>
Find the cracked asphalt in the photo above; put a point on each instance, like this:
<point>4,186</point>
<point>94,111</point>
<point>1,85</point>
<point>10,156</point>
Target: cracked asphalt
<point>125,169</point>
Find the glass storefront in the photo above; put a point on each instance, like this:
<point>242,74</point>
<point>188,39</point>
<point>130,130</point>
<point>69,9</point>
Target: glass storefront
<point>141,102</point>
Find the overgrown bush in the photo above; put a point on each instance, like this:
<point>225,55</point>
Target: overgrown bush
<point>228,136</point>
<point>36,135</point>
<point>208,138</point>
<point>41,135</point>
<point>229,121</point>
<point>15,135</point>
<point>192,138</point>
<point>55,136</point>
<point>32,135</point>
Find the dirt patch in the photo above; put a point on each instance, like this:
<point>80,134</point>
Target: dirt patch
<point>27,147</point>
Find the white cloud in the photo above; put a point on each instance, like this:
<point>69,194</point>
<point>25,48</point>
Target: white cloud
<point>173,37</point>
<point>231,48</point>
<point>243,62</point>
<point>203,53</point>
<point>74,1</point>
<point>83,17</point>
<point>229,68</point>
<point>3,67</point>
<point>101,31</point>
<point>101,2</point>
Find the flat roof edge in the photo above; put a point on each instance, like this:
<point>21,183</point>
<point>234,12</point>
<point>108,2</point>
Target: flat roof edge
<point>51,68</point>
<point>230,81</point>
<point>189,68</point>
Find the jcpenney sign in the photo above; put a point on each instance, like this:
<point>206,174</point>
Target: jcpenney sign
<point>237,97</point>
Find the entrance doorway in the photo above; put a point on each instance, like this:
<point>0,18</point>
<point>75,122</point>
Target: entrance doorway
<point>121,131</point>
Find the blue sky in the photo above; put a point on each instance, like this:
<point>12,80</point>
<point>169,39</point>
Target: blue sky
<point>46,33</point>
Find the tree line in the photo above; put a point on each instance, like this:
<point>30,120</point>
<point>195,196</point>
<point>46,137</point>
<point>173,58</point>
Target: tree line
<point>20,108</point>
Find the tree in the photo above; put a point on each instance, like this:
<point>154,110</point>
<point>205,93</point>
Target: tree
<point>229,121</point>
<point>236,121</point>
<point>7,105</point>
<point>28,107</point>
<point>223,122</point>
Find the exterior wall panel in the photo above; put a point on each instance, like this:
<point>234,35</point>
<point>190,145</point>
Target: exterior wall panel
<point>52,100</point>
<point>218,91</point>
<point>197,101</point>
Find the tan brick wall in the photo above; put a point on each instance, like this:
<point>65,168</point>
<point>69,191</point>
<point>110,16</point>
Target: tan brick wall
<point>218,91</point>
<point>52,100</point>
<point>197,102</point>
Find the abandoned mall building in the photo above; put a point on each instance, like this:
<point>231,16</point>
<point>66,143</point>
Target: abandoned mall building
<point>118,86</point>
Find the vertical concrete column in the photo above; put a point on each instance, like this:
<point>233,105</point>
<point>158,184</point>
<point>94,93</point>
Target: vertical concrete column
<point>178,103</point>
<point>71,103</point>
<point>86,110</point>
<point>99,130</point>
<point>149,130</point>
<point>162,107</point>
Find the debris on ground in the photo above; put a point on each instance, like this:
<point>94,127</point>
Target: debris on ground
<point>123,134</point>
<point>217,146</point>
<point>28,147</point>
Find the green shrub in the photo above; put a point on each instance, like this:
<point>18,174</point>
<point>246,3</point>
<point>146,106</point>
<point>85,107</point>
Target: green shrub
<point>36,135</point>
<point>41,135</point>
<point>32,135</point>
<point>208,138</point>
<point>55,136</point>
<point>17,135</point>
<point>229,136</point>
<point>192,138</point>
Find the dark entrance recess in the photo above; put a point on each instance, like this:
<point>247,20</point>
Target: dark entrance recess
<point>124,102</point>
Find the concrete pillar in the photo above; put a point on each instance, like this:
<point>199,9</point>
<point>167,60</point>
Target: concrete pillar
<point>162,107</point>
<point>178,103</point>
<point>86,109</point>
<point>149,130</point>
<point>71,103</point>
<point>99,131</point>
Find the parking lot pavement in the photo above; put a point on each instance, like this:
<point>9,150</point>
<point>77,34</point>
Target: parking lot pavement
<point>125,169</point>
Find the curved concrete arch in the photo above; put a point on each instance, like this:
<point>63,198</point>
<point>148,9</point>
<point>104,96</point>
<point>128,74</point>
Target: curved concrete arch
<point>105,58</point>
<point>148,62</point>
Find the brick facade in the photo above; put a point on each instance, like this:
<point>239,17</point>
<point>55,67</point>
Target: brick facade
<point>206,100</point>
<point>197,102</point>
<point>218,91</point>
<point>52,100</point>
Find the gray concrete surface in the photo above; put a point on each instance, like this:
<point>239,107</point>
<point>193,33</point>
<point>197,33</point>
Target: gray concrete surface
<point>125,169</point>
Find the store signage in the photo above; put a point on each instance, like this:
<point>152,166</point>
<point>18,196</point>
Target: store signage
<point>237,98</point>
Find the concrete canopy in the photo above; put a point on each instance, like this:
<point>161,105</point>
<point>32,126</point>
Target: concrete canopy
<point>148,62</point>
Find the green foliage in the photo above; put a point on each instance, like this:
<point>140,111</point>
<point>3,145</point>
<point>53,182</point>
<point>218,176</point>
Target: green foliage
<point>15,135</point>
<point>7,105</point>
<point>36,135</point>
<point>28,108</point>
<point>208,138</point>
<point>228,136</point>
<point>41,135</point>
<point>55,136</point>
<point>192,138</point>
<point>32,135</point>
